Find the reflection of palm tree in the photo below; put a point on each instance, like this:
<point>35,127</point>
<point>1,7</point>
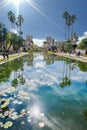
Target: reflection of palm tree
<point>18,79</point>
<point>31,58</point>
<point>66,76</point>
<point>21,78</point>
<point>66,81</point>
<point>15,80</point>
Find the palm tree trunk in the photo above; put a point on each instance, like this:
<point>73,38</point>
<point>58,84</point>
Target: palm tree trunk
<point>72,32</point>
<point>69,70</point>
<point>64,70</point>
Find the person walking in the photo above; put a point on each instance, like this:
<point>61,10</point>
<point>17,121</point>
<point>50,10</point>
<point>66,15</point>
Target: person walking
<point>3,55</point>
<point>7,55</point>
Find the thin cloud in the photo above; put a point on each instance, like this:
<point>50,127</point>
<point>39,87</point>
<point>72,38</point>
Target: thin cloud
<point>38,42</point>
<point>82,37</point>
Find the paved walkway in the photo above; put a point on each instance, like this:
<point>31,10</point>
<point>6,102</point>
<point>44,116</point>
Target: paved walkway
<point>14,57</point>
<point>73,56</point>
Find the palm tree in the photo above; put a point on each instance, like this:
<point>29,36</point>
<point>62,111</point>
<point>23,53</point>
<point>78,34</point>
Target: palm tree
<point>12,18</point>
<point>68,25</point>
<point>19,22</point>
<point>16,23</point>
<point>65,16</point>
<point>73,18</point>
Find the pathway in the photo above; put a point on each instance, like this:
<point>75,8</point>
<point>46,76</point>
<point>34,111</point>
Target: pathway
<point>11,57</point>
<point>73,56</point>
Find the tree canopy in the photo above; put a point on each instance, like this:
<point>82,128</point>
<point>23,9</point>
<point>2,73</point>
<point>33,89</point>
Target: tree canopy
<point>83,44</point>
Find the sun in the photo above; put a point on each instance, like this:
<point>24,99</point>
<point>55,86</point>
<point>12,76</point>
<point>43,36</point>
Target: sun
<point>16,2</point>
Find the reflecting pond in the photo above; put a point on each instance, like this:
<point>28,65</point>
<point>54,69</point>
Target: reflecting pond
<point>41,91</point>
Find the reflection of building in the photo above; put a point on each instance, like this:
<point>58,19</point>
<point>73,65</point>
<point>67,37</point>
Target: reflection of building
<point>28,43</point>
<point>52,44</point>
<point>49,59</point>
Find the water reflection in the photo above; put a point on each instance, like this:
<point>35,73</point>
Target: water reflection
<point>85,115</point>
<point>30,59</point>
<point>6,69</point>
<point>82,66</point>
<point>41,102</point>
<point>18,78</point>
<point>66,81</point>
<point>49,59</point>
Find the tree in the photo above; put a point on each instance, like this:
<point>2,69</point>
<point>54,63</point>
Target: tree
<point>73,18</point>
<point>12,19</point>
<point>83,45</point>
<point>65,16</point>
<point>69,20</point>
<point>19,22</point>
<point>3,36</point>
<point>20,41</point>
<point>68,25</point>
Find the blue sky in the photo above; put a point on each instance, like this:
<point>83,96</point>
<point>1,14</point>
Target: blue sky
<point>44,17</point>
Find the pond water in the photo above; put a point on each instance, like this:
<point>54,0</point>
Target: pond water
<point>43,92</point>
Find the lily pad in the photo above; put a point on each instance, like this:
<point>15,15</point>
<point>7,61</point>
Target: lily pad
<point>1,114</point>
<point>23,113</point>
<point>22,122</point>
<point>41,124</point>
<point>1,124</point>
<point>29,120</point>
<point>8,124</point>
<point>10,90</point>
<point>6,113</point>
<point>5,104</point>
<point>20,102</point>
<point>14,116</point>
<point>24,95</point>
<point>23,110</point>
<point>15,101</point>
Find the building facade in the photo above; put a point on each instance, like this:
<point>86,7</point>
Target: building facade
<point>52,44</point>
<point>28,44</point>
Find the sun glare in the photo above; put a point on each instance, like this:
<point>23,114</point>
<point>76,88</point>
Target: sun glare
<point>16,2</point>
<point>36,111</point>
